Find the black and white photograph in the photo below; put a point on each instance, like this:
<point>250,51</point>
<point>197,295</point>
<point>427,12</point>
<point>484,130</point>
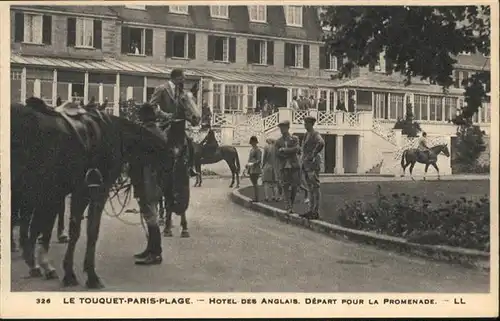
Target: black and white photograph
<point>331,148</point>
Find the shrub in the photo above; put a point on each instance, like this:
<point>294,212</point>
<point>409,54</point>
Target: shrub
<point>408,127</point>
<point>470,144</point>
<point>461,223</point>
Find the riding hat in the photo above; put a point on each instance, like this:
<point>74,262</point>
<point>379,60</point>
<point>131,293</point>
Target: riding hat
<point>253,139</point>
<point>310,119</point>
<point>284,123</point>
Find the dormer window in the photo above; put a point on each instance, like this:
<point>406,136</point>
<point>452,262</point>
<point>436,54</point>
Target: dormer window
<point>135,6</point>
<point>257,13</point>
<point>465,53</point>
<point>293,16</point>
<point>179,9</point>
<point>219,12</point>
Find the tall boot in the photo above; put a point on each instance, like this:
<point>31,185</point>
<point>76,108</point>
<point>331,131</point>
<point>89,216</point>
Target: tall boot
<point>146,252</point>
<point>154,255</point>
<point>192,171</point>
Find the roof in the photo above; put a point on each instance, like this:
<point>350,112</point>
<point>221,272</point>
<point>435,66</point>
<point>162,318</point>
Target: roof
<point>396,82</point>
<point>115,66</point>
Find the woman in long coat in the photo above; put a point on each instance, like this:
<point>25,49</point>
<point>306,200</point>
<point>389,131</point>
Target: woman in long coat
<point>269,178</point>
<point>254,166</point>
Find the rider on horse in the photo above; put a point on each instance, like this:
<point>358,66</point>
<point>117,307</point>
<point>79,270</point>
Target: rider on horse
<point>423,148</point>
<point>145,180</point>
<point>168,105</point>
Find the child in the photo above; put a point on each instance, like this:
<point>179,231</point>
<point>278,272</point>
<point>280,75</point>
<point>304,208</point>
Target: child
<point>254,166</point>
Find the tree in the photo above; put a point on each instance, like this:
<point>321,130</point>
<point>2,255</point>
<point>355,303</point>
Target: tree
<point>470,145</point>
<point>417,41</point>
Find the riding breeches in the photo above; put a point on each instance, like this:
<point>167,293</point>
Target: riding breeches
<point>149,211</point>
<point>313,185</point>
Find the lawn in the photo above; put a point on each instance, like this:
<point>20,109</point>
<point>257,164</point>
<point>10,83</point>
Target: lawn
<point>335,195</point>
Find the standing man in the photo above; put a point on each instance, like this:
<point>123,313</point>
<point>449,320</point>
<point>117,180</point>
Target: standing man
<point>166,97</point>
<point>311,163</point>
<point>294,104</point>
<point>145,180</point>
<point>288,147</point>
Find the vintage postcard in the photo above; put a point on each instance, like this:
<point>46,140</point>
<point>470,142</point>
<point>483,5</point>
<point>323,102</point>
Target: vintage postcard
<point>227,159</point>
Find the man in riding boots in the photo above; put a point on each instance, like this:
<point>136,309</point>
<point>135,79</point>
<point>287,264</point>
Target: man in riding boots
<point>423,148</point>
<point>168,109</point>
<point>288,148</point>
<point>145,179</point>
<point>312,145</point>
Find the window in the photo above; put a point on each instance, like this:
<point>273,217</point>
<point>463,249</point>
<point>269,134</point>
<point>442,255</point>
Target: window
<point>436,109</point>
<point>137,41</point>
<point>15,85</point>
<point>257,13</point>
<point>332,63</point>
<point>180,41</point>
<point>450,108</point>
<point>465,53</point>
<point>380,111</point>
<point>219,12</point>
<point>33,28</point>
<point>260,52</point>
<point>179,9</point>
<point>135,6</point>
<point>396,108</point>
<point>421,106</point>
<point>233,98</point>
<point>250,97</point>
<point>293,15</point>
<point>296,55</point>
<point>221,49</point>
<point>85,32</point>
<point>217,98</point>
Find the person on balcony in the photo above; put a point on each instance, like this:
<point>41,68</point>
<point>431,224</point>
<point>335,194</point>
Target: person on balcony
<point>288,148</point>
<point>294,104</point>
<point>312,146</point>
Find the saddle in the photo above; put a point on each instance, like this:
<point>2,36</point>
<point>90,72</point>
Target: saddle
<point>83,123</point>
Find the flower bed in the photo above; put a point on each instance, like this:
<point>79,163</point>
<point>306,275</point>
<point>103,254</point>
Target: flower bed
<point>461,223</point>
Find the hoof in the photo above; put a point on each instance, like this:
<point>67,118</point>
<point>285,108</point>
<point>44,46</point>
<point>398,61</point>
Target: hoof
<point>167,233</point>
<point>36,272</point>
<point>51,275</point>
<point>185,234</point>
<point>161,222</point>
<point>94,284</point>
<point>63,238</point>
<point>412,179</point>
<point>70,280</point>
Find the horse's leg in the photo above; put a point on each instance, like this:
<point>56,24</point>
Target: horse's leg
<point>426,168</point>
<point>161,211</point>
<point>412,164</point>
<point>43,250</point>
<point>167,230</point>
<point>437,170</point>
<point>404,164</point>
<point>184,232</point>
<point>35,229</point>
<point>61,235</point>
<point>93,225</point>
<point>79,202</point>
<point>233,169</point>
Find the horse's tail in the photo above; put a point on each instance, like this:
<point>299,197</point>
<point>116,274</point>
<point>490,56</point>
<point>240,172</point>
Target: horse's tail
<point>403,158</point>
<point>237,161</point>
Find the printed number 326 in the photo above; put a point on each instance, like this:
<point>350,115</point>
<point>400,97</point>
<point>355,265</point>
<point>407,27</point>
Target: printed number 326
<point>42,301</point>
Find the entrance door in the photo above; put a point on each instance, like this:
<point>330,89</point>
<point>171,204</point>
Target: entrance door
<point>329,153</point>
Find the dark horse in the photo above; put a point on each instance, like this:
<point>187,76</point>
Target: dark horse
<point>205,156</point>
<point>413,155</point>
<point>70,151</point>
<point>175,184</point>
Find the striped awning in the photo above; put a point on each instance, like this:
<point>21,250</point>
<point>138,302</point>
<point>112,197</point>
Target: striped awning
<point>266,79</point>
<point>105,65</point>
<point>111,65</point>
